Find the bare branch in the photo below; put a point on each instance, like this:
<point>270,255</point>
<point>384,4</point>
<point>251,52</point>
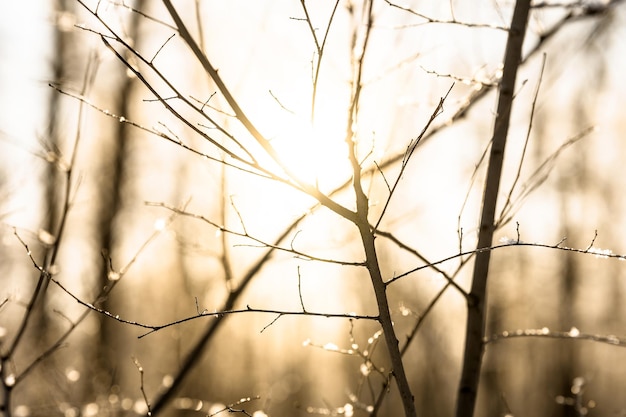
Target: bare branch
<point>249,126</point>
<point>405,247</point>
<point>231,407</point>
<point>572,334</point>
<point>160,134</point>
<point>122,4</point>
<point>300,291</point>
<point>141,386</point>
<point>430,20</point>
<point>319,49</point>
<point>409,152</point>
<point>539,176</point>
<point>223,313</point>
<point>245,234</point>
<point>506,243</point>
<point>527,139</point>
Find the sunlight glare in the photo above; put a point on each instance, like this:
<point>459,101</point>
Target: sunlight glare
<point>160,224</point>
<point>315,154</point>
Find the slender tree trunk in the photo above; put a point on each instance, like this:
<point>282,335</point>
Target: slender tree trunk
<point>109,201</point>
<point>476,308</point>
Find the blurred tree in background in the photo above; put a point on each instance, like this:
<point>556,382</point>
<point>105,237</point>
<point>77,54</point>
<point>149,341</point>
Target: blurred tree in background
<point>222,206</point>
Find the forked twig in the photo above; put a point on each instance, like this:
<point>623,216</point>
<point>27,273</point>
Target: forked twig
<point>410,150</point>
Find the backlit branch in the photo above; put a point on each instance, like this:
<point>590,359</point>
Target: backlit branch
<point>431,20</point>
<point>261,243</point>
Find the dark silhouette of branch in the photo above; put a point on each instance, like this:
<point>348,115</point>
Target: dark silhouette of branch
<point>410,337</point>
<point>319,47</point>
<point>421,257</point>
<point>477,301</point>
<point>248,309</point>
<point>231,407</point>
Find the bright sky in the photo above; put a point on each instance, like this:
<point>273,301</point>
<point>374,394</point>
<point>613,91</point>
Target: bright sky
<point>24,36</point>
<point>24,54</point>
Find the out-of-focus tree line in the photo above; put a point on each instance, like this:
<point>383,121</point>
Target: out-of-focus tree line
<point>117,213</point>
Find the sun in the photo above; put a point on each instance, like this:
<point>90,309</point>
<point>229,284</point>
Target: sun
<point>315,153</point>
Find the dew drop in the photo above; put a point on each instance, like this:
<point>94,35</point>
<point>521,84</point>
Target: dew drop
<point>331,346</point>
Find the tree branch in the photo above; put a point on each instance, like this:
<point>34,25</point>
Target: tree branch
<point>476,305</point>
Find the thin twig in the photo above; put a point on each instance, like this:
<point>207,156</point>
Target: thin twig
<point>320,51</point>
<point>410,151</point>
<point>172,138</point>
<point>430,20</point>
<point>572,334</point>
<point>141,385</point>
<point>300,291</point>
<point>533,106</point>
<point>540,175</point>
<point>417,254</point>
<point>245,234</point>
<point>508,243</point>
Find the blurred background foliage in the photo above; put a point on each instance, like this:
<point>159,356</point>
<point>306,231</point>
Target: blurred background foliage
<point>165,267</point>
